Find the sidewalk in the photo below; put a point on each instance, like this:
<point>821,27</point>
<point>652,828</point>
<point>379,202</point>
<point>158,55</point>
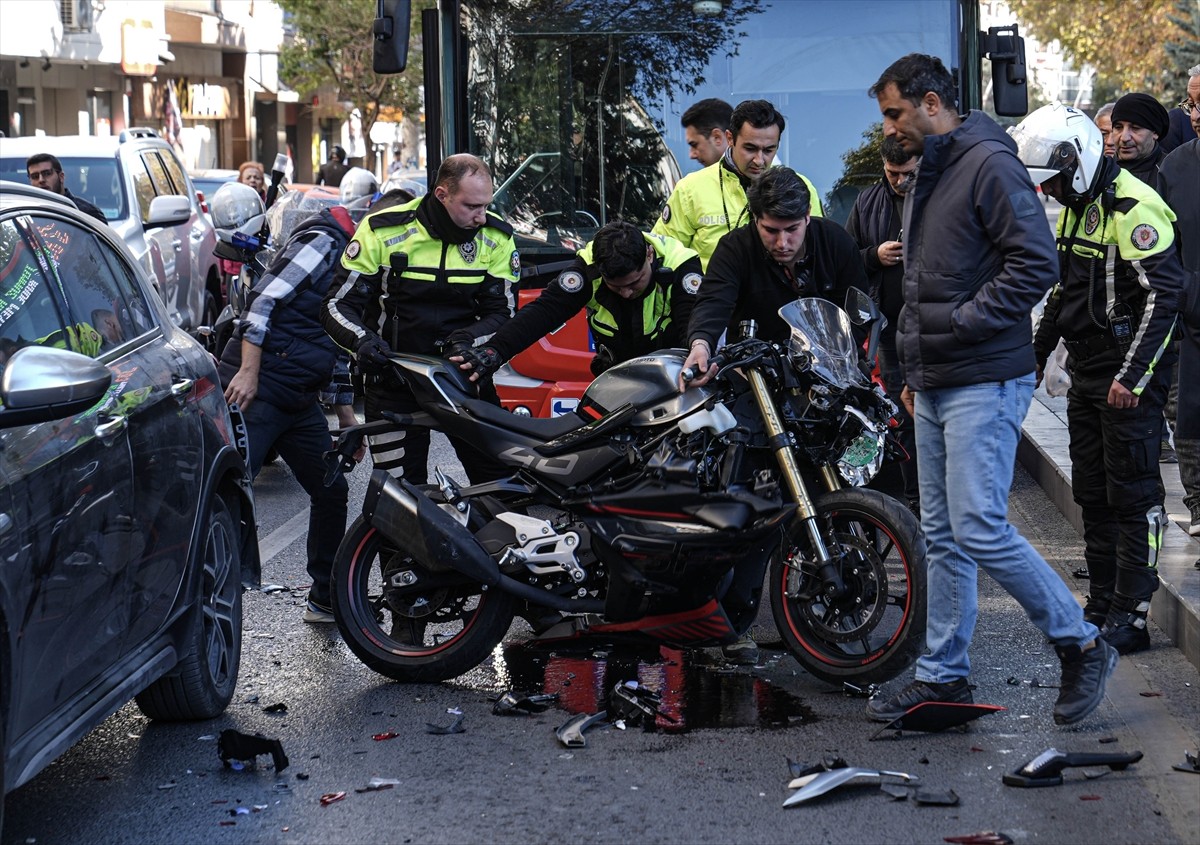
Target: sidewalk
<point>1176,605</point>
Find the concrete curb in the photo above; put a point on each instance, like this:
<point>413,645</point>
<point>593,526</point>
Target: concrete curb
<point>1176,605</point>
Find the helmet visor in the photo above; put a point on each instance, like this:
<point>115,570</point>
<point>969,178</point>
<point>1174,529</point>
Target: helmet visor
<point>1044,158</point>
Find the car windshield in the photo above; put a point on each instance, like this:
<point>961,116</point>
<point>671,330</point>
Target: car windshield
<point>96,180</point>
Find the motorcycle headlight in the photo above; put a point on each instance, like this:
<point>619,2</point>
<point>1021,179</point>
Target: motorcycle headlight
<point>862,458</point>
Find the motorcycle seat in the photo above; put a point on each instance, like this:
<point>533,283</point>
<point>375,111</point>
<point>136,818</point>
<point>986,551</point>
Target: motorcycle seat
<point>541,428</point>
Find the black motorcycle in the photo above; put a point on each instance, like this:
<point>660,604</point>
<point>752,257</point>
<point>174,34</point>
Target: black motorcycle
<point>649,512</point>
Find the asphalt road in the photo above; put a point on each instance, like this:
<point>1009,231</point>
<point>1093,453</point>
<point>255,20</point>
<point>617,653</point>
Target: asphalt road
<point>723,779</point>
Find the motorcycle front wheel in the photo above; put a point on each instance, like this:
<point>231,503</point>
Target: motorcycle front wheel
<point>405,623</point>
<point>876,628</point>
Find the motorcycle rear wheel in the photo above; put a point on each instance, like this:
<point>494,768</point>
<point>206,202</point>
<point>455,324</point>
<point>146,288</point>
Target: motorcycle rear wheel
<point>877,629</point>
<point>417,633</point>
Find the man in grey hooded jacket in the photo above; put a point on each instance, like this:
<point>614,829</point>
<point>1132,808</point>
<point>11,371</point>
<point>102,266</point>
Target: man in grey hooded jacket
<point>978,255</point>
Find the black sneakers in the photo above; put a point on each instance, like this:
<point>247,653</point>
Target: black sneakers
<point>1084,674</point>
<point>744,652</point>
<point>882,709</point>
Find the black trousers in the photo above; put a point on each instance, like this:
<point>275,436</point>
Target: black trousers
<point>404,452</point>
<point>1115,476</point>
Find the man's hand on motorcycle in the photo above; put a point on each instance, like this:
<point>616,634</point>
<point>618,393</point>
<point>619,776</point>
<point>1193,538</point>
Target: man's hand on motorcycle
<point>372,354</point>
<point>697,364</point>
<point>479,361</point>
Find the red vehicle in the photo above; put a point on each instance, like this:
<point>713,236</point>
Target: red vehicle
<point>548,378</point>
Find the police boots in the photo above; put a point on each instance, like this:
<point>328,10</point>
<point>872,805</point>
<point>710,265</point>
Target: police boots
<point>1097,607</point>
<point>1125,627</point>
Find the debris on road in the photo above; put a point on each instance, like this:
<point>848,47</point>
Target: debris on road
<point>570,733</point>
<point>331,798</point>
<point>1046,768</point>
<point>236,746</point>
<point>983,837</point>
<point>377,785</point>
<point>277,707</point>
<point>815,785</point>
<point>509,703</point>
<point>384,736</point>
<point>1192,763</point>
<point>455,727</point>
<point>934,716</point>
<point>936,797</point>
<point>855,691</point>
<point>825,764</point>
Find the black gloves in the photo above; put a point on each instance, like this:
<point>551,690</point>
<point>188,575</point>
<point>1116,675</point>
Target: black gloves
<point>484,360</point>
<point>372,353</point>
<point>602,360</point>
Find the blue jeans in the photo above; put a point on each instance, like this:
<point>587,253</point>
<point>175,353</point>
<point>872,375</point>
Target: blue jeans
<point>301,438</point>
<point>966,444</point>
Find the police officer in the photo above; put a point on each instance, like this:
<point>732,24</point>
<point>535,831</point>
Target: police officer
<point>707,204</point>
<point>441,268</point>
<point>1115,308</point>
<point>638,290</point>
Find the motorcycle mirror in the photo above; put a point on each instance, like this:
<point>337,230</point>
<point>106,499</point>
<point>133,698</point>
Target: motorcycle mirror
<point>860,307</point>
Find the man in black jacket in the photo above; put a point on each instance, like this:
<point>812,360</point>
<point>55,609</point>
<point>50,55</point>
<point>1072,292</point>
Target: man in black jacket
<point>45,171</point>
<point>274,367</point>
<point>1138,121</point>
<point>783,254</point>
<point>978,256</point>
<point>875,224</point>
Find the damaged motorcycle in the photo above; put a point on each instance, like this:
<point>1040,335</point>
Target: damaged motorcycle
<point>649,512</point>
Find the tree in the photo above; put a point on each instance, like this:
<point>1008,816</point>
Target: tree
<point>1184,47</point>
<point>333,46</point>
<point>1124,40</point>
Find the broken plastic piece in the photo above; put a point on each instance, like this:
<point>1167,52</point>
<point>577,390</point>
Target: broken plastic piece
<point>170,785</point>
<point>856,691</point>
<point>277,707</point>
<point>813,786</point>
<point>898,791</point>
<point>455,727</point>
<point>274,588</point>
<point>570,733</point>
<point>983,837</point>
<point>799,770</point>
<point>331,797</point>
<point>508,704</point>
<point>936,797</point>
<point>1193,764</point>
<point>634,703</point>
<point>1046,768</point>
<point>385,735</point>
<point>234,746</point>
<point>377,784</point>
<point>934,716</point>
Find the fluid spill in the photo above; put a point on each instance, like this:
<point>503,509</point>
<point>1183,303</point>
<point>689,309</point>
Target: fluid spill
<point>695,695</point>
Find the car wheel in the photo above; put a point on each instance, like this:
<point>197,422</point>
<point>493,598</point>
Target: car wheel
<point>202,684</point>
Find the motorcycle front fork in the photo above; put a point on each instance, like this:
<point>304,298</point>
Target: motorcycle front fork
<point>781,443</point>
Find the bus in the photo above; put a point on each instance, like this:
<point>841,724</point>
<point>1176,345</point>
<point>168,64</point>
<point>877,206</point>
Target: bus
<point>575,104</point>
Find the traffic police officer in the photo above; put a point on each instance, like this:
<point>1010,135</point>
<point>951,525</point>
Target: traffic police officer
<point>637,288</point>
<point>1115,308</point>
<point>430,274</point>
<point>711,202</point>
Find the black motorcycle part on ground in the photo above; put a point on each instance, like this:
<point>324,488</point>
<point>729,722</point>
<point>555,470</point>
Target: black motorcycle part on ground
<point>934,716</point>
<point>1046,769</point>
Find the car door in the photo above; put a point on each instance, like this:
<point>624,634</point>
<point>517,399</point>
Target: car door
<point>70,502</point>
<point>152,391</point>
<point>165,245</point>
<point>196,237</point>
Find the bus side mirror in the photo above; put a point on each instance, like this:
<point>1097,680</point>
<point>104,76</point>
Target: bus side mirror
<point>1006,49</point>
<point>391,36</point>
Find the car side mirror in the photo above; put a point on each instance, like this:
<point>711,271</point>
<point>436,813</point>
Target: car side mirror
<point>168,211</point>
<point>41,383</point>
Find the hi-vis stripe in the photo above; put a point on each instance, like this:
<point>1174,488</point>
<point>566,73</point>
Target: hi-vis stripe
<point>1147,313</point>
<point>331,306</point>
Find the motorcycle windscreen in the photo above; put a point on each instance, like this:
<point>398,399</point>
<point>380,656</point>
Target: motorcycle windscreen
<point>821,333</point>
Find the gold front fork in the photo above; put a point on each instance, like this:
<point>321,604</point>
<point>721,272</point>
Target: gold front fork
<point>778,437</point>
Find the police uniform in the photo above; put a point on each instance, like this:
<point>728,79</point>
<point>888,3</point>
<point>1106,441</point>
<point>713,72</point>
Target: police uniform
<point>707,204</point>
<point>657,319</point>
<point>418,281</point>
<point>1115,308</point>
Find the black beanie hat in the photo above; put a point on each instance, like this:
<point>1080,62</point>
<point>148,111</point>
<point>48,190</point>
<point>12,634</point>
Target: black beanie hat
<point>1143,110</point>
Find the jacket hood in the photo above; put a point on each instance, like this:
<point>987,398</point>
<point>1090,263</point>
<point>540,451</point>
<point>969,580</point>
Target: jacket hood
<point>944,150</point>
<point>325,222</point>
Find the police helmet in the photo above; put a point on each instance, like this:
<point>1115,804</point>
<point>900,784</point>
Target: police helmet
<point>358,188</point>
<point>1060,139</point>
<point>237,208</point>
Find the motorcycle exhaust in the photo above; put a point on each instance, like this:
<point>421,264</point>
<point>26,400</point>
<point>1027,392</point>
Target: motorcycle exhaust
<point>418,527</point>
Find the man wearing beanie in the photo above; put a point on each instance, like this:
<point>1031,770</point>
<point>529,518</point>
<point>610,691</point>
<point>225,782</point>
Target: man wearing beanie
<point>1138,121</point>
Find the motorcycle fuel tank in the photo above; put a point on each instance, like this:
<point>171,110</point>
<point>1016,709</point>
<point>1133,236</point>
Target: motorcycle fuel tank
<point>649,383</point>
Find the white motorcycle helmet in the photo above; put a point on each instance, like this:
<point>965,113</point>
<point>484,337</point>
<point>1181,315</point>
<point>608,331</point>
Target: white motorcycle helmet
<point>1060,139</point>
<point>358,189</point>
<point>237,208</point>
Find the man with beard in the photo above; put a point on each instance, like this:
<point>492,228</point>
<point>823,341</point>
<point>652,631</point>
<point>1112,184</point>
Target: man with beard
<point>1138,121</point>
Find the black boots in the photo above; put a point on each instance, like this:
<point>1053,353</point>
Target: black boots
<point>1125,627</point>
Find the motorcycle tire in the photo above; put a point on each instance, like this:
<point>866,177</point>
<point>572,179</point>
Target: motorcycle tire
<point>877,629</point>
<point>411,634</point>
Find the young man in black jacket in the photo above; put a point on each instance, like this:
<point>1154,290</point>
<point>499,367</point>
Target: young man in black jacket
<point>783,254</point>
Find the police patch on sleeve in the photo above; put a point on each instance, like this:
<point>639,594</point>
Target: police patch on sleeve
<point>514,263</point>
<point>353,249</point>
<point>1144,236</point>
<point>691,283</point>
<point>571,281</point>
<point>666,214</point>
